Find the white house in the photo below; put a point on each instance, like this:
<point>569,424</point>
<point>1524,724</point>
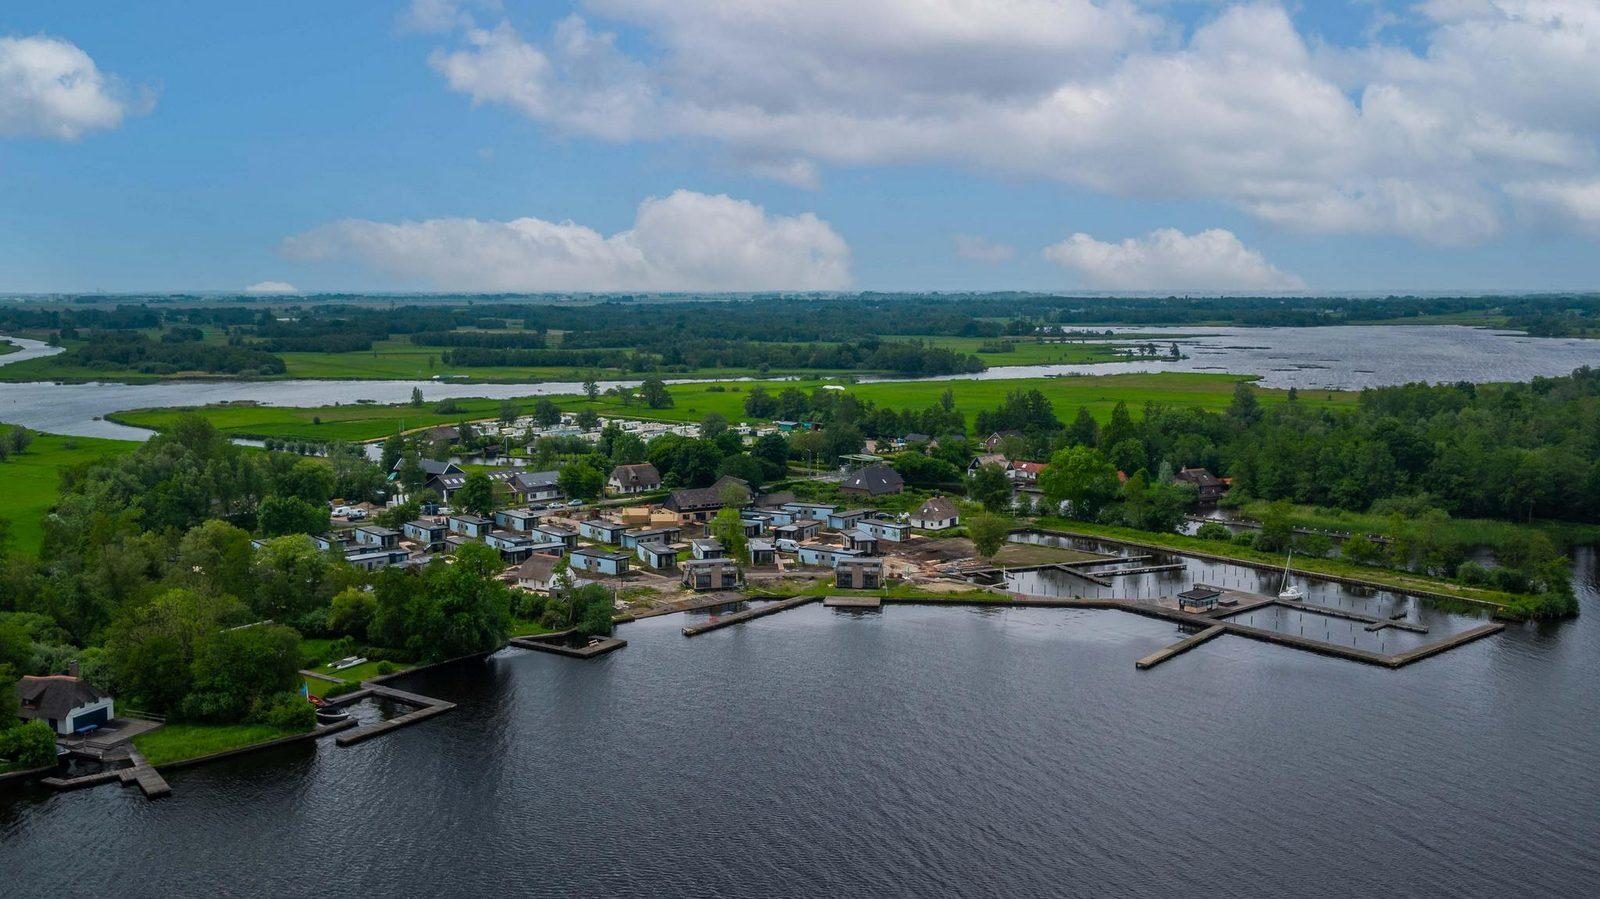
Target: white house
<point>936,514</point>
<point>65,702</point>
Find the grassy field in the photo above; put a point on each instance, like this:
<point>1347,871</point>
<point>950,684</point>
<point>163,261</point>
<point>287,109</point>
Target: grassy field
<point>692,402</point>
<point>1027,350</point>
<point>1459,531</point>
<point>1399,580</point>
<point>178,742</point>
<point>7,346</point>
<point>32,480</point>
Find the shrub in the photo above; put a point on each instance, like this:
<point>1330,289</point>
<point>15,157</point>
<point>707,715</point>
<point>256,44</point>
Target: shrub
<point>1472,574</point>
<point>385,668</point>
<point>1214,530</point>
<point>31,745</point>
<point>285,711</point>
<point>1246,539</point>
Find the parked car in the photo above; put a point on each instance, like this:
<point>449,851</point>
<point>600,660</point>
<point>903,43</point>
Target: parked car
<point>356,515</point>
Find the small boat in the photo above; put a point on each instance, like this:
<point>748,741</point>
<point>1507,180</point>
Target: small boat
<point>1287,590</point>
<point>331,716</point>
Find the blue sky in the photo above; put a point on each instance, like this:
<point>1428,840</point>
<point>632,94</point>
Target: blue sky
<point>1193,147</point>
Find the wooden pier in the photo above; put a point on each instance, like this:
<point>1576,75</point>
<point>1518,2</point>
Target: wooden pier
<point>1372,622</point>
<point>1180,647</point>
<point>774,608</point>
<point>551,643</point>
<point>853,602</point>
<point>427,707</point>
<point>147,777</point>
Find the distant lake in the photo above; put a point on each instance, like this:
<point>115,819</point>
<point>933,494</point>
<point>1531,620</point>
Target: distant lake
<point>913,752</point>
<point>1308,358</point>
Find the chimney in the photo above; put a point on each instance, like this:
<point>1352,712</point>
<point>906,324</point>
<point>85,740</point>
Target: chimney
<point>72,668</point>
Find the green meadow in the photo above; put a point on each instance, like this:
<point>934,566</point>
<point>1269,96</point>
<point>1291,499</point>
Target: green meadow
<point>692,402</point>
<point>32,480</point>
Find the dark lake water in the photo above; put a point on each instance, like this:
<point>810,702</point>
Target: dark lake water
<point>918,752</point>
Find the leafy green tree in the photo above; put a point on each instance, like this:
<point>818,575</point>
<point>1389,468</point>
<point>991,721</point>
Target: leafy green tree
<point>398,514</point>
<point>655,394</point>
<point>988,532</point>
<point>1154,506</point>
<point>1082,478</point>
<point>627,449</point>
<point>236,672</point>
<point>412,476</point>
<point>772,450</point>
<point>758,403</point>
<point>281,515</point>
<point>16,647</point>
<point>727,527</point>
<point>580,480</point>
<point>924,471</point>
<point>152,646</point>
<point>1245,408</point>
<point>546,413</point>
<point>713,425</point>
<point>989,487</point>
<point>352,611</point>
<point>292,577</point>
<point>587,419</point>
<point>509,412</point>
<point>1213,530</point>
<point>216,556</point>
<point>467,607</point>
<point>591,388</point>
<point>1085,431</point>
<point>1277,529</point>
<point>416,397</point>
<point>744,467</point>
<point>476,494</point>
<point>1119,428</point>
<point>1360,549</point>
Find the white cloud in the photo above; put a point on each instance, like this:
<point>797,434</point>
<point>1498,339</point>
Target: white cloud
<point>270,287</point>
<point>686,241</point>
<point>982,249</point>
<point>1574,202</point>
<point>51,88</point>
<point>1110,96</point>
<point>1167,259</point>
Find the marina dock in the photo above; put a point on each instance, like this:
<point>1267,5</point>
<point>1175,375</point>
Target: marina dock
<point>1180,647</point>
<point>853,602</point>
<point>551,643</point>
<point>774,608</point>
<point>427,707</point>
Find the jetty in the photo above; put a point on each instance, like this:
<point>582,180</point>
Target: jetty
<point>552,643</point>
<point>773,608</point>
<point>1180,647</point>
<point>426,707</point>
<point>853,602</point>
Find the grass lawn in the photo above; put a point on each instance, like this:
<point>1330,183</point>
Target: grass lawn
<point>178,742</point>
<point>692,402</point>
<point>1460,531</point>
<point>1399,580</point>
<point>7,346</point>
<point>33,479</point>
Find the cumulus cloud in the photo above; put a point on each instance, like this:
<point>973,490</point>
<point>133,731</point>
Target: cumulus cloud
<point>1167,259</point>
<point>982,249</point>
<point>1576,202</point>
<point>51,88</point>
<point>270,287</point>
<point>1111,96</point>
<point>686,241</point>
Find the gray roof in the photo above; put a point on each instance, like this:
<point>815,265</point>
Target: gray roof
<point>597,553</point>
<point>642,474</point>
<point>875,480</point>
<point>936,507</point>
<point>54,697</point>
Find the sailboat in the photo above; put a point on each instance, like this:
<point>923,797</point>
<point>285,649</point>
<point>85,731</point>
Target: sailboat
<point>1287,590</point>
